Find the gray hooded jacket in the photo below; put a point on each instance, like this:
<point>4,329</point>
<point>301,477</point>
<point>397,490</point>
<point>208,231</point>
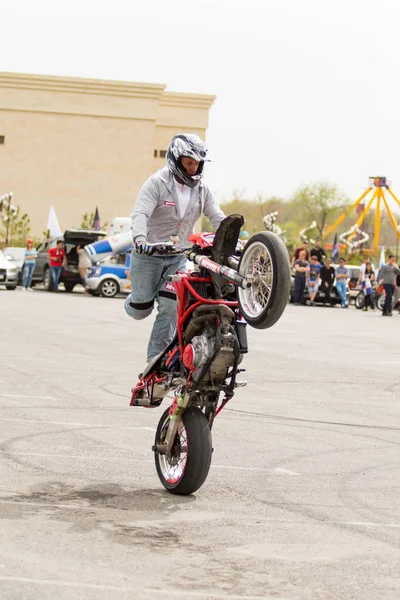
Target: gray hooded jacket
<point>156,217</point>
<point>388,273</point>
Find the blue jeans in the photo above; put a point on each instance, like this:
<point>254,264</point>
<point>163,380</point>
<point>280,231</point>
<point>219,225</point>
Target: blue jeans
<point>27,276</point>
<point>299,287</point>
<point>389,289</point>
<point>55,276</point>
<point>341,287</point>
<point>149,282</point>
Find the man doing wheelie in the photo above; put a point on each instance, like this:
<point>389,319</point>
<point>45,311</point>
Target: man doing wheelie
<point>167,208</point>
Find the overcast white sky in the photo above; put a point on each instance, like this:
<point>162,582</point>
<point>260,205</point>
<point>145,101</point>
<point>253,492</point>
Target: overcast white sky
<point>306,89</point>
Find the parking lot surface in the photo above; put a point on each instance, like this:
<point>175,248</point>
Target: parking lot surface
<point>302,499</point>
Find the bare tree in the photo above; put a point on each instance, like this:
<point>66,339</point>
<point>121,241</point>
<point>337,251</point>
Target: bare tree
<point>319,202</point>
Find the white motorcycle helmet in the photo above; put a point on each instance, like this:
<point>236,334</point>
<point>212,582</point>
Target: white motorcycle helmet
<point>186,144</point>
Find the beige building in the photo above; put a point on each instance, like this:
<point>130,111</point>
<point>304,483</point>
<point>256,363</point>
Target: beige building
<point>77,143</point>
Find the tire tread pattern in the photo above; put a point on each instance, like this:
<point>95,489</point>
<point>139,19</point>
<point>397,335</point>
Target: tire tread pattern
<point>198,456</point>
<point>281,280</point>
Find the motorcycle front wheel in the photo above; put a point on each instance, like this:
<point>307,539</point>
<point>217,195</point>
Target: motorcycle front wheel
<point>187,467</point>
<point>359,302</point>
<point>265,261</point>
<point>380,302</point>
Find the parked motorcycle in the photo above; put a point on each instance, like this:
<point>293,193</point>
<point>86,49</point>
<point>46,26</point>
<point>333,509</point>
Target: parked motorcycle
<point>381,302</point>
<point>359,301</point>
<point>378,298</point>
<point>230,288</point>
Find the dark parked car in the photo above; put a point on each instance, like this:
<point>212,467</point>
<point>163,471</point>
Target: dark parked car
<point>70,274</point>
<point>320,297</point>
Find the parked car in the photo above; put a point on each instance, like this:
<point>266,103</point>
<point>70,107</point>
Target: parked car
<point>70,274</point>
<point>354,275</point>
<point>16,254</point>
<point>8,272</point>
<point>110,277</point>
<point>320,297</point>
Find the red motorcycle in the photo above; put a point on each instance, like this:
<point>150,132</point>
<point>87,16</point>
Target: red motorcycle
<point>232,287</point>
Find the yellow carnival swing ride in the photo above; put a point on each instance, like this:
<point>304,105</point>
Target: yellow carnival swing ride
<point>377,185</point>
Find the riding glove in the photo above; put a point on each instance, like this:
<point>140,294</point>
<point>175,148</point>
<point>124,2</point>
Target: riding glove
<point>142,247</point>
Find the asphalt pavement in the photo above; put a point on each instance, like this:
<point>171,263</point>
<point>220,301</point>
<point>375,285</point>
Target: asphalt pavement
<point>302,499</point>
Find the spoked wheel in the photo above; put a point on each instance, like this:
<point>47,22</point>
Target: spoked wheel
<point>359,302</point>
<point>265,261</point>
<point>186,469</point>
<point>380,302</point>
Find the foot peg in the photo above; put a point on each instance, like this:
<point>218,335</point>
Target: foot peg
<point>147,393</point>
<point>145,402</point>
<point>240,384</point>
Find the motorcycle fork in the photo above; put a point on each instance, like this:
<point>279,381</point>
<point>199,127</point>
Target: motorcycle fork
<point>176,411</point>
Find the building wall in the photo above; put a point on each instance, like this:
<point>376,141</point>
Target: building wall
<point>77,143</point>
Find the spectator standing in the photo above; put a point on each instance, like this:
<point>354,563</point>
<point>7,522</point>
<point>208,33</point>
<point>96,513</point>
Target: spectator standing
<point>57,261</point>
<point>313,278</point>
<point>84,263</point>
<point>361,276</point>
<point>387,276</point>
<point>368,284</point>
<point>298,250</point>
<point>327,279</point>
<point>342,276</point>
<point>397,292</point>
<point>29,265</point>
<point>318,252</point>
<point>301,269</point>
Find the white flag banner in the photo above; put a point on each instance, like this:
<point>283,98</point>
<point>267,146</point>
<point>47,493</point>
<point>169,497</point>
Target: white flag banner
<point>381,261</point>
<point>52,224</point>
<point>382,258</point>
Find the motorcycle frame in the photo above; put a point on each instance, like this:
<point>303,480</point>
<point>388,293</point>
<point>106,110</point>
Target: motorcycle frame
<point>182,283</point>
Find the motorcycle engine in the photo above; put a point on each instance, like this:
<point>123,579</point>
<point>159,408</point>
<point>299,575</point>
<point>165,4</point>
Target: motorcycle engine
<point>202,349</point>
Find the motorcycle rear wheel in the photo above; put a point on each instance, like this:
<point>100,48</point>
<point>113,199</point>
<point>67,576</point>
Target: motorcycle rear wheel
<point>185,471</point>
<point>266,259</point>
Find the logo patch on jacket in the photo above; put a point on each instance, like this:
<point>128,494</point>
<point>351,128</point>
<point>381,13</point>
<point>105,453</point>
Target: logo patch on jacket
<point>169,203</point>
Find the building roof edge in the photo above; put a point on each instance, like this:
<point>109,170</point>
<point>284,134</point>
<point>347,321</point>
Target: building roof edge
<point>80,85</point>
<point>188,100</point>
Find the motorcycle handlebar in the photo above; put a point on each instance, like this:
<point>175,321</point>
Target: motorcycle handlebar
<point>231,274</point>
<point>222,270</point>
<point>165,248</point>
